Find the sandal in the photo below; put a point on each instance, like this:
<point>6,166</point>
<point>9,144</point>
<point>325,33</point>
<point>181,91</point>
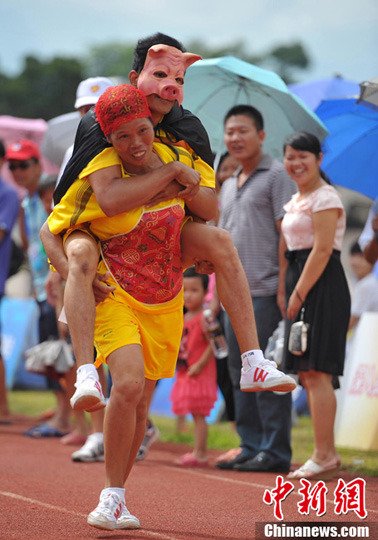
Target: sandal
<point>189,460</point>
<point>43,430</point>
<point>314,471</point>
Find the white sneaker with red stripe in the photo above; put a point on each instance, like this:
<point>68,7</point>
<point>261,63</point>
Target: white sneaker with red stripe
<point>88,395</point>
<point>259,374</point>
<point>108,510</point>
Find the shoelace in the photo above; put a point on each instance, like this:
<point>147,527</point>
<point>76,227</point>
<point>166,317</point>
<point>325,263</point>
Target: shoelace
<point>265,363</point>
<point>110,505</point>
<point>125,512</point>
<point>85,378</point>
<point>269,363</point>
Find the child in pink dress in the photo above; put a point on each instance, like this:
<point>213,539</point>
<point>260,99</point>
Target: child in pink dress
<point>195,388</point>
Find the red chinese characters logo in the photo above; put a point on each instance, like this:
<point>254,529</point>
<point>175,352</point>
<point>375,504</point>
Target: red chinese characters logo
<point>277,495</point>
<point>348,497</point>
<point>312,498</point>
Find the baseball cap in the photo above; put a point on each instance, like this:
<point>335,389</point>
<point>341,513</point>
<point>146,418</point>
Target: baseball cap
<point>23,150</point>
<point>90,90</point>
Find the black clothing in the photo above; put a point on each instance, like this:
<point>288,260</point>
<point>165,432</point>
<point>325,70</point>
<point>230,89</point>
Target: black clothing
<point>179,124</point>
<point>327,310</point>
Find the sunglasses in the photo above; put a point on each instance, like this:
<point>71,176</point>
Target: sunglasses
<point>19,165</point>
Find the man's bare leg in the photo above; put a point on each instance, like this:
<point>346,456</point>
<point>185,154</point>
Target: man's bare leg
<point>79,304</point>
<point>204,242</point>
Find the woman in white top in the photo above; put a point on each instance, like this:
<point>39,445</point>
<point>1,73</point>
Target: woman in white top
<point>312,277</point>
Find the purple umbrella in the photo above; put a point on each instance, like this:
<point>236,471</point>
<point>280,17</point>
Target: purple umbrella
<point>312,93</point>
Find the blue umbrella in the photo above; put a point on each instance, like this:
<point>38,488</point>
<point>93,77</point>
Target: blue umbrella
<point>213,86</point>
<point>351,148</point>
<point>314,92</point>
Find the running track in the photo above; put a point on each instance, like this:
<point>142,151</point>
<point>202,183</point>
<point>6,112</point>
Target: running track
<point>44,495</point>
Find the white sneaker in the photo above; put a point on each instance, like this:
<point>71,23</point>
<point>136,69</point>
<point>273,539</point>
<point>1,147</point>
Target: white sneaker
<point>92,450</point>
<point>108,510</point>
<point>88,396</point>
<point>259,375</point>
<point>127,520</point>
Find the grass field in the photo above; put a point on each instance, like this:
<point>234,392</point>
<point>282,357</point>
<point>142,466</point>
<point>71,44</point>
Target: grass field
<point>221,436</point>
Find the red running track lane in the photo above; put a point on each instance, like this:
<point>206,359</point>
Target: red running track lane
<point>44,495</point>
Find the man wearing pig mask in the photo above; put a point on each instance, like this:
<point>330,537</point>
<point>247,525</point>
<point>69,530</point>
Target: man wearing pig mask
<point>159,73</point>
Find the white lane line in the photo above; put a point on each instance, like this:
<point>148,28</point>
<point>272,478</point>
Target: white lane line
<point>242,483</point>
<point>73,513</point>
<point>40,503</point>
<point>220,478</point>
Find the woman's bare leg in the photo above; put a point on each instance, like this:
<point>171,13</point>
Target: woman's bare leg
<point>121,422</point>
<point>322,401</point>
<point>141,420</point>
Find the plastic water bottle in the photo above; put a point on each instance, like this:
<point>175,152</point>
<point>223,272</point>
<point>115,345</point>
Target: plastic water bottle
<point>217,340</point>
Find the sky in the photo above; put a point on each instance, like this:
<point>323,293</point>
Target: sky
<point>340,36</point>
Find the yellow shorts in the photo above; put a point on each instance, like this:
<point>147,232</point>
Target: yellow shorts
<point>121,320</point>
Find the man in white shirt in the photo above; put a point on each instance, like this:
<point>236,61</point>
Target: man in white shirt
<point>369,236</point>
<point>87,95</point>
<point>365,293</point>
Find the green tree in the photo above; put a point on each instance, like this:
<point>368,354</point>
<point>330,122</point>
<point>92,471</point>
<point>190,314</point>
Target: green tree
<point>234,49</point>
<point>45,89</point>
<point>287,58</point>
<point>42,89</point>
<point>112,59</point>
<point>283,59</point>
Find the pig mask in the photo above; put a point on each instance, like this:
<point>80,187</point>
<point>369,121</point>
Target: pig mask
<point>163,72</point>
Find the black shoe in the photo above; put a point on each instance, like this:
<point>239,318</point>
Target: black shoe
<point>230,464</point>
<point>263,462</point>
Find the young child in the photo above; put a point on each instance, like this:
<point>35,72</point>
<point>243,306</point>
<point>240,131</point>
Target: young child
<point>226,167</point>
<point>195,389</point>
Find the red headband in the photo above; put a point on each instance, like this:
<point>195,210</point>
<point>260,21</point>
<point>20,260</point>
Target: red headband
<point>120,104</point>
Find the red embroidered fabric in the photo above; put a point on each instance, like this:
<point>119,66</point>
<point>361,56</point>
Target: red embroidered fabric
<point>146,262</point>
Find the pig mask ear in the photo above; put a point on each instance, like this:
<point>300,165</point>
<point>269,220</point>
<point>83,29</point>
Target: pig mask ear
<point>186,58</point>
<point>190,58</point>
